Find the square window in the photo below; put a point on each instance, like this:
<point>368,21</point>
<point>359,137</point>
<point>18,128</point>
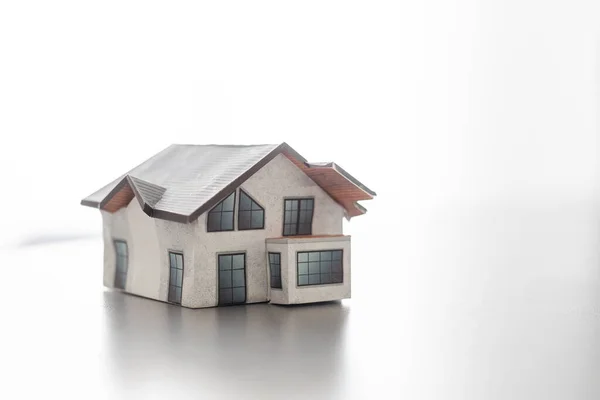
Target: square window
<point>302,257</point>
<point>325,255</point>
<point>314,267</point>
<point>325,278</point>
<point>337,255</point>
<point>314,279</point>
<point>336,278</point>
<point>313,256</point>
<point>336,266</point>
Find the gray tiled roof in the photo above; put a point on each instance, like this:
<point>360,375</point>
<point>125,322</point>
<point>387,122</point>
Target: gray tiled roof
<point>182,178</point>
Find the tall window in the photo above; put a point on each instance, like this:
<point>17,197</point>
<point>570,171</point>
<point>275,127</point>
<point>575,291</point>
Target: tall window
<point>320,267</point>
<point>121,272</point>
<point>298,215</point>
<point>232,279</point>
<point>250,214</point>
<point>220,218</point>
<point>175,277</point>
<point>275,266</point>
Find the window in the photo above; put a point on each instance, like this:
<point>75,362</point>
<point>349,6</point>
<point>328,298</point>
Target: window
<point>175,277</point>
<point>220,218</point>
<point>232,279</point>
<point>275,266</point>
<point>320,267</point>
<point>121,271</point>
<point>250,214</point>
<point>297,219</point>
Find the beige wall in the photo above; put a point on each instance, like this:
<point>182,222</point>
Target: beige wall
<point>150,239</point>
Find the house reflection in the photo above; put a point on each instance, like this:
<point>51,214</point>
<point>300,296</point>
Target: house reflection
<point>153,346</point>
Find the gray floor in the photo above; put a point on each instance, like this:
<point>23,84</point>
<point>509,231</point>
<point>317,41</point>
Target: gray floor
<point>487,303</point>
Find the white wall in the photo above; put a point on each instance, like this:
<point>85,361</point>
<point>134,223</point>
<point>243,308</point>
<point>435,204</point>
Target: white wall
<point>148,242</point>
<point>278,179</point>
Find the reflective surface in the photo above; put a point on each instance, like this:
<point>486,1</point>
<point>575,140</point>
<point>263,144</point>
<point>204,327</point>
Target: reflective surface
<point>491,303</point>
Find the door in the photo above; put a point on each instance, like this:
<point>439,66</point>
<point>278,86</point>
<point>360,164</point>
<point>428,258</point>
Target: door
<point>232,279</point>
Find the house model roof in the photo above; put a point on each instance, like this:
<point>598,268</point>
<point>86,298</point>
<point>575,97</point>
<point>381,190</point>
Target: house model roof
<point>183,181</point>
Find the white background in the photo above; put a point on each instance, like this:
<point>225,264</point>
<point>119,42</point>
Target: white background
<point>474,121</point>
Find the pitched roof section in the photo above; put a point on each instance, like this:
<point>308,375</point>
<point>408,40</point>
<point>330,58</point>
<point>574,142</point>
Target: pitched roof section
<point>183,181</point>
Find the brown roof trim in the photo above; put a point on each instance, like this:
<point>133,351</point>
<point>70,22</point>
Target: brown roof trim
<point>353,179</point>
<point>115,190</point>
<point>226,191</point>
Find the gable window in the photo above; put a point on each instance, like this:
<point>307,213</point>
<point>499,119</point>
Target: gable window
<point>220,218</point>
<point>121,272</point>
<point>175,277</point>
<point>250,214</point>
<point>275,266</point>
<point>320,267</point>
<point>297,218</point>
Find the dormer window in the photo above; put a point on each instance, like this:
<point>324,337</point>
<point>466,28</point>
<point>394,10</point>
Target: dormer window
<point>298,215</point>
<point>220,218</point>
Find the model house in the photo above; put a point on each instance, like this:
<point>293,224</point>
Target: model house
<point>212,225</point>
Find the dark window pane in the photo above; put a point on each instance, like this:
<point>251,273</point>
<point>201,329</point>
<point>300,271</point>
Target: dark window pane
<point>179,281</point>
<point>303,280</point>
<point>224,262</point>
<point>180,261</point>
<point>276,282</point>
<point>218,208</point>
<point>325,278</point>
<point>313,256</point>
<point>214,222</point>
<point>336,278</point>
<point>304,229</point>
<point>173,276</point>
<point>288,217</point>
<point>244,220</point>
<point>302,268</point>
<point>238,261</point>
<point>228,202</point>
<point>238,278</point>
<point>239,295</point>
<point>288,204</point>
<point>225,296</point>
<point>325,255</point>
<point>306,204</point>
<point>314,279</point>
<point>245,202</point>
<point>302,257</point>
<point>336,266</point>
<point>257,219</point>
<point>293,205</point>
<point>178,294</point>
<point>227,221</point>
<point>255,206</point>
<point>314,267</point>
<point>172,260</point>
<point>225,279</point>
<point>325,266</point>
<point>337,255</point>
<point>276,270</point>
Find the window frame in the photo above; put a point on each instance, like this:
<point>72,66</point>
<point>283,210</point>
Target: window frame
<point>341,282</point>
<point>297,216</point>
<point>175,253</point>
<point>280,287</point>
<point>239,212</point>
<point>220,213</point>
<point>126,258</point>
